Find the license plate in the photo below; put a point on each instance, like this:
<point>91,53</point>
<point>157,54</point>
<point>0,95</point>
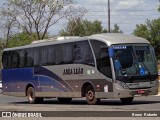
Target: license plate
<point>140,91</point>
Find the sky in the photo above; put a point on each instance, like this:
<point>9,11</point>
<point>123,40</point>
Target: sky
<point>125,13</point>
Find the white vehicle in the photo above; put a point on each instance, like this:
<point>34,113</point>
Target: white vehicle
<point>95,67</point>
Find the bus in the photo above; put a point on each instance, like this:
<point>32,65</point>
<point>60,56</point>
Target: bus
<point>100,66</point>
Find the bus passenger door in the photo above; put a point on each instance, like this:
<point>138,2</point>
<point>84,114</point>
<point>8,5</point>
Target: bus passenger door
<point>104,67</point>
<point>104,63</point>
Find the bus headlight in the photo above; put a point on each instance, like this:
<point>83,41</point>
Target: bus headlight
<point>154,83</point>
<point>124,85</point>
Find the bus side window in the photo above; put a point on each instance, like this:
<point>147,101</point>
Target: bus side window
<point>43,56</point>
<point>15,59</point>
<point>60,54</point>
<point>6,60</point>
<point>29,58</point>
<point>96,45</point>
<point>78,50</point>
<point>51,55</point>
<point>21,58</point>
<point>9,59</point>
<point>89,55</point>
<point>82,53</point>
<point>36,56</point>
<point>68,54</point>
<point>105,66</point>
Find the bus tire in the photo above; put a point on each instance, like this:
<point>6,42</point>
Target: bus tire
<point>90,96</point>
<point>127,100</point>
<point>32,99</point>
<point>64,100</point>
<point>40,99</point>
<point>1,91</point>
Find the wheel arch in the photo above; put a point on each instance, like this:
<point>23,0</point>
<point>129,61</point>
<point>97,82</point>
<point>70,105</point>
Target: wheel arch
<point>84,86</point>
<point>29,85</point>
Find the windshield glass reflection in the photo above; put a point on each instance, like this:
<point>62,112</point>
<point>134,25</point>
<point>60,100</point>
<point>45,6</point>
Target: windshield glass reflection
<point>134,61</point>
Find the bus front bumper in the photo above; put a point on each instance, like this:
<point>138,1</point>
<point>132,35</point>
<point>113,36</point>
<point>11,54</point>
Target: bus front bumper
<point>120,92</point>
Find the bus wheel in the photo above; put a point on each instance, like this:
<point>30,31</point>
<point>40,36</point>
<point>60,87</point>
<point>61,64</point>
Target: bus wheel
<point>40,99</point>
<point>64,100</point>
<point>90,96</point>
<point>127,100</point>
<point>31,96</point>
<point>1,91</point>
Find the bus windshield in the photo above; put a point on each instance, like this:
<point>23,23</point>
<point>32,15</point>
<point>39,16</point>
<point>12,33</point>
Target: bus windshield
<point>134,60</point>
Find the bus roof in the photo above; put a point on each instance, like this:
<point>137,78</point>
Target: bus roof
<point>108,38</point>
<point>118,38</point>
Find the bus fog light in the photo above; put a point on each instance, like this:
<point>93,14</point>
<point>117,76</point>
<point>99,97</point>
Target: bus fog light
<point>125,86</point>
<point>154,83</point>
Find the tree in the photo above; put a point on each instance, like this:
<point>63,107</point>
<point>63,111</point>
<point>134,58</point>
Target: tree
<point>37,16</point>
<point>7,27</point>
<point>80,27</point>
<point>2,45</point>
<point>21,39</point>
<point>150,31</point>
<point>116,29</point>
<point>142,31</point>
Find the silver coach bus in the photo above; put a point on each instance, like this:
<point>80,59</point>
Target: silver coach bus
<point>96,67</point>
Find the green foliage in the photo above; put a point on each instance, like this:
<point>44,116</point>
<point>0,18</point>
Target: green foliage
<point>2,44</point>
<point>79,27</point>
<point>142,31</point>
<point>116,29</point>
<point>104,31</point>
<point>151,32</point>
<point>22,39</point>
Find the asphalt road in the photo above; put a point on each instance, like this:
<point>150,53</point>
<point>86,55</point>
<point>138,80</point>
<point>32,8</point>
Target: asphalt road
<point>140,104</point>
<point>151,103</point>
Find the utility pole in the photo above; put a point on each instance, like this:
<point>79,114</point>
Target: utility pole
<point>109,16</point>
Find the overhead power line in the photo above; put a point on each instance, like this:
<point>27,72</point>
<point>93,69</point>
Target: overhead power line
<point>139,10</point>
<point>129,22</point>
<point>141,15</point>
<point>135,6</point>
<point>124,10</point>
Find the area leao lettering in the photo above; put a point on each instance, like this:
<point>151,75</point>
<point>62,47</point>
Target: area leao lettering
<point>73,71</point>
